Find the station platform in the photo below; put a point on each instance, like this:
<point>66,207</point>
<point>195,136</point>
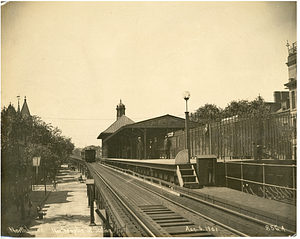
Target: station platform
<point>274,212</point>
<point>150,161</point>
<point>169,161</point>
<point>66,211</point>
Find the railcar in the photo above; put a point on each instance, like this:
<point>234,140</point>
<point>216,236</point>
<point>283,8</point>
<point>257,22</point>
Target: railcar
<point>89,155</point>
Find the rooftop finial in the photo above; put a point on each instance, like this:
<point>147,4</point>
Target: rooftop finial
<point>288,44</point>
<point>18,102</point>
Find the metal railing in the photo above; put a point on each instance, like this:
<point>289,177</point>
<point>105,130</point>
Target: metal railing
<point>268,190</point>
<point>244,138</point>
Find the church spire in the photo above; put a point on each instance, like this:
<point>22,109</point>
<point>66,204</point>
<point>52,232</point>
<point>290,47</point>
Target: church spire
<point>25,109</point>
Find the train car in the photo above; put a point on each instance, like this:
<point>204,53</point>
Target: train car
<point>90,155</point>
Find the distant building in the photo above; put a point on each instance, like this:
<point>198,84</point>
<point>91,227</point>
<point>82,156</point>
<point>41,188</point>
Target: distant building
<point>281,102</point>
<point>121,121</point>
<point>285,102</point>
<point>292,82</point>
<point>292,86</point>
<point>25,110</point>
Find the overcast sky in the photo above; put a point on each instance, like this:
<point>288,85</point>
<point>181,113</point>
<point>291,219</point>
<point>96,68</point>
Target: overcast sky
<point>74,61</point>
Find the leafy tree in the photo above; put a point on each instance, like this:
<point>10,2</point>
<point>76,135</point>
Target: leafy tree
<point>77,152</point>
<point>242,108</point>
<point>48,143</point>
<point>24,138</point>
<point>258,107</point>
<point>13,127</point>
<point>206,114</point>
<point>234,108</point>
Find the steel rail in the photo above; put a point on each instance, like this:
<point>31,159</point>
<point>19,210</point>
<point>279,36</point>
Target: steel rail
<point>220,208</point>
<point>191,210</point>
<point>201,215</point>
<point>232,212</point>
<point>124,205</point>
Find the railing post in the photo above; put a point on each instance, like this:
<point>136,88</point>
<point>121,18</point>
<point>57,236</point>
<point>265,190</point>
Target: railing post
<point>294,185</point>
<point>91,197</point>
<point>242,182</point>
<point>226,174</point>
<point>264,180</point>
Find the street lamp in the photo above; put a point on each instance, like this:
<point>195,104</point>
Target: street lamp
<point>186,95</point>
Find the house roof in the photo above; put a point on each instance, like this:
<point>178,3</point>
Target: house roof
<point>122,121</point>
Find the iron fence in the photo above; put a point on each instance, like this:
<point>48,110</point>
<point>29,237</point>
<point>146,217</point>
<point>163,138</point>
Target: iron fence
<point>272,136</point>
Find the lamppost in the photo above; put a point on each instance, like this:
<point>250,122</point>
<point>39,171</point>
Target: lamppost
<point>186,95</point>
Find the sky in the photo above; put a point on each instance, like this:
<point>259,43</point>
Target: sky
<point>75,61</point>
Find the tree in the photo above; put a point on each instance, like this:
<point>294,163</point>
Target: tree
<point>258,107</point>
<point>13,129</point>
<point>234,108</point>
<point>206,114</point>
<point>24,138</point>
<point>77,152</point>
<point>48,143</point>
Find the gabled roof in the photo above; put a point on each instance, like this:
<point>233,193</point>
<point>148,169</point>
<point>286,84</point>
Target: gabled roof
<point>161,122</point>
<point>122,121</point>
<point>10,110</point>
<point>165,121</point>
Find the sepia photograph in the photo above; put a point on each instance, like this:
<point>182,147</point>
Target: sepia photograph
<point>148,119</point>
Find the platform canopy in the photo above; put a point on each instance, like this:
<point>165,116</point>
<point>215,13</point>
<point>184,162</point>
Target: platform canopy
<point>122,143</point>
<point>160,125</point>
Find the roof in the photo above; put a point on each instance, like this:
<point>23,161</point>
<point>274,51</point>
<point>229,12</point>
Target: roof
<point>122,121</point>
<point>161,122</point>
<point>165,121</point>
<point>25,109</point>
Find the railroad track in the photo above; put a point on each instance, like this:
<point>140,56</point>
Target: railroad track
<point>136,212</point>
<point>243,224</point>
<point>149,218</point>
<point>124,221</point>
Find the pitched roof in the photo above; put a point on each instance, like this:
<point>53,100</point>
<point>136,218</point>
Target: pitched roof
<point>122,121</point>
<point>161,122</point>
<point>165,121</point>
<point>25,109</point>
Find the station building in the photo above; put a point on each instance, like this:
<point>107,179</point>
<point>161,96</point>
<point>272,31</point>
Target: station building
<point>120,139</point>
